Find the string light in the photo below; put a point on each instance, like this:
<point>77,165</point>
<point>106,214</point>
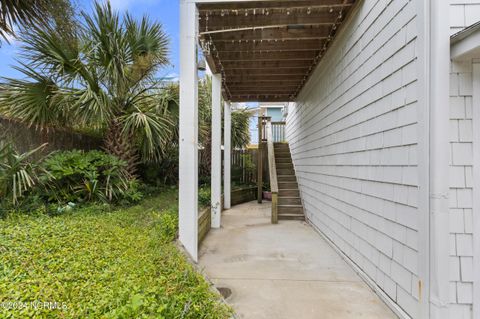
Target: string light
<point>208,46</point>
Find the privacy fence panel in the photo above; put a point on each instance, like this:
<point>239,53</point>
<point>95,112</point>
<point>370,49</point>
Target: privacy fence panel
<point>27,137</point>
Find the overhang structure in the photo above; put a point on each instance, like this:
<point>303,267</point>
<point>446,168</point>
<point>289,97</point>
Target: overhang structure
<point>263,51</point>
<point>266,50</point>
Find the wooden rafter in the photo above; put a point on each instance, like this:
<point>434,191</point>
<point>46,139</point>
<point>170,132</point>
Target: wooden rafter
<point>270,4</point>
<point>279,33</point>
<point>268,56</point>
<point>219,23</point>
<point>266,50</point>
<point>270,45</point>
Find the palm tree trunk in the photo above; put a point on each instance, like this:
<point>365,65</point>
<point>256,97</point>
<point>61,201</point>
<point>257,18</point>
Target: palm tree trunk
<point>121,146</point>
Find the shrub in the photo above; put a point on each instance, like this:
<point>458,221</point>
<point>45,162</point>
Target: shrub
<point>79,176</point>
<point>204,196</point>
<point>103,264</point>
<point>19,173</point>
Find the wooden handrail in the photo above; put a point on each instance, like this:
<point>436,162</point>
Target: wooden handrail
<point>272,169</point>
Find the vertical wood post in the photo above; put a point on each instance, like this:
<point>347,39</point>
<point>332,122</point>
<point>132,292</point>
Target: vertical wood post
<point>216,163</point>
<point>227,153</point>
<point>188,131</point>
<point>260,161</point>
<point>274,208</point>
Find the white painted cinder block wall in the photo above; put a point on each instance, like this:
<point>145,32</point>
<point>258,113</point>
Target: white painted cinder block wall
<point>353,136</point>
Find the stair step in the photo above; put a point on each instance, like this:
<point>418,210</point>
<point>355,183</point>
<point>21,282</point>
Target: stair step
<point>287,185</point>
<point>286,178</point>
<point>290,209</point>
<point>288,193</point>
<point>282,160</point>
<point>289,200</point>
<point>284,165</point>
<point>285,171</point>
<point>291,217</point>
<point>282,154</point>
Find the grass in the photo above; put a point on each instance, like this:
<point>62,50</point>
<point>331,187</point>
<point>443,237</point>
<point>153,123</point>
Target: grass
<point>98,262</point>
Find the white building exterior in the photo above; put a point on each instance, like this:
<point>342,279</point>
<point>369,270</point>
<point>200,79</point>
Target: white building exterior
<point>384,142</point>
<point>354,135</point>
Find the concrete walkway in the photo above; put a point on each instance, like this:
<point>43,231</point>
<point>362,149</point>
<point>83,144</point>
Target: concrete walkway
<point>283,271</point>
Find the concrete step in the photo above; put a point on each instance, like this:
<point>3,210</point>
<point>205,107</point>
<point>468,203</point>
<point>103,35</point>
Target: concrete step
<point>286,178</point>
<point>288,193</point>
<point>289,200</point>
<point>290,209</point>
<point>287,185</point>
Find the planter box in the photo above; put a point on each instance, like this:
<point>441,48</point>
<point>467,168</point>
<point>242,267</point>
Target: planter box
<point>243,195</point>
<point>238,196</point>
<point>267,195</point>
<point>204,223</point>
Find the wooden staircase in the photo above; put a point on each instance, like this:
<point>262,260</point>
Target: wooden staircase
<point>289,202</point>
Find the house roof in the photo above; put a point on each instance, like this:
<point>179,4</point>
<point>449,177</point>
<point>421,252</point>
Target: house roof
<point>266,50</point>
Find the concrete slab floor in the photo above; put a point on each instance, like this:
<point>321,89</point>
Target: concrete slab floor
<point>283,271</point>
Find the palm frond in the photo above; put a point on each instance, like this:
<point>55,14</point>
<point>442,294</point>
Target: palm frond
<point>32,101</point>
<point>148,46</point>
<point>19,172</point>
<point>14,12</point>
<point>151,129</point>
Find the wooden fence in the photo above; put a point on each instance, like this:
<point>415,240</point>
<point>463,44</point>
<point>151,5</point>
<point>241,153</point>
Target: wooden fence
<point>26,138</point>
<point>244,163</point>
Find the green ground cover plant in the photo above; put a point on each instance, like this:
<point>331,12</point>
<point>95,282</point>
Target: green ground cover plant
<point>102,262</point>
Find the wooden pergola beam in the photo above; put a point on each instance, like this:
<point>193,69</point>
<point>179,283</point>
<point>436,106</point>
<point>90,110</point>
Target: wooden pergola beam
<point>268,56</point>
<point>269,93</point>
<point>284,71</point>
<point>273,81</point>
<point>218,22</point>
<point>255,65</point>
<point>263,77</point>
<point>278,33</point>
<point>261,98</point>
<point>270,4</point>
<point>267,47</point>
<point>246,87</point>
<point>271,45</point>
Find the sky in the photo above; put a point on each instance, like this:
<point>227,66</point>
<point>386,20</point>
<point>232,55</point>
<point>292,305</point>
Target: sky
<point>163,11</point>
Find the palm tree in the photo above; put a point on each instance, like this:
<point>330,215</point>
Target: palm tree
<point>168,102</point>
<point>26,13</point>
<point>104,81</point>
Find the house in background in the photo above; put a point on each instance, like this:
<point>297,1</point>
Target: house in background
<point>273,110</point>
<point>383,127</point>
<point>276,111</point>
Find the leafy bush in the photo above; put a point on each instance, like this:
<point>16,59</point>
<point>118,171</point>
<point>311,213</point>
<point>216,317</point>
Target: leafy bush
<point>204,196</point>
<point>79,176</point>
<point>19,173</point>
<point>103,264</point>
